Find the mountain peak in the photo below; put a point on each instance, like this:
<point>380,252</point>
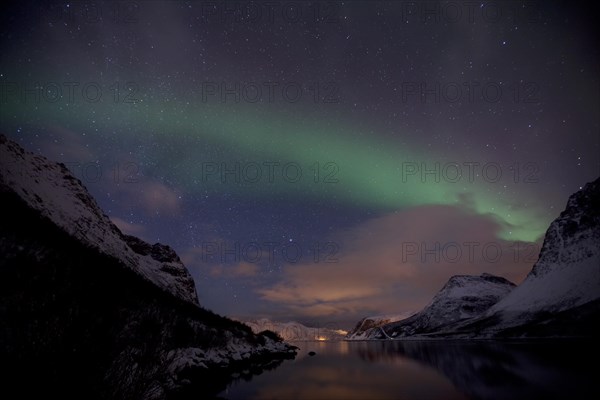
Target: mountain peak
<point>56,194</point>
<point>74,288</point>
<point>567,272</point>
<point>578,223</point>
<point>463,297</point>
<point>459,281</point>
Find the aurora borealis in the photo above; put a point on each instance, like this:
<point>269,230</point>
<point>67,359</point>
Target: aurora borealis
<point>390,147</point>
<point>359,170</point>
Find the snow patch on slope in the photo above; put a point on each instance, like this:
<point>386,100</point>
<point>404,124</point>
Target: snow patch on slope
<point>463,297</point>
<point>291,331</point>
<point>370,327</point>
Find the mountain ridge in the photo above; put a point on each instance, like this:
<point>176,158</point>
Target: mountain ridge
<point>463,297</point>
<point>58,195</point>
<point>69,299</point>
<point>560,297</point>
<point>295,331</point>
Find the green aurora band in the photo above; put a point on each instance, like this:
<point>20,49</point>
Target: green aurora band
<point>369,171</point>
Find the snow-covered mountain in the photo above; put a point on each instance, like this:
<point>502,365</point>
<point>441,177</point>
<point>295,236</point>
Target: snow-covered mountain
<point>566,276</point>
<point>90,312</point>
<point>295,331</point>
<point>370,327</point>
<point>51,190</point>
<point>462,297</point>
<point>559,297</point>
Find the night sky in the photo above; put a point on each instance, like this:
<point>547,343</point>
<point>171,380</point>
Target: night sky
<point>316,162</point>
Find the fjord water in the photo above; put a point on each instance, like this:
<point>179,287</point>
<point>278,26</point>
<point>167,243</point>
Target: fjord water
<point>427,370</point>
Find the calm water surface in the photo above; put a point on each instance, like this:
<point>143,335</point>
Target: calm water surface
<point>426,370</point>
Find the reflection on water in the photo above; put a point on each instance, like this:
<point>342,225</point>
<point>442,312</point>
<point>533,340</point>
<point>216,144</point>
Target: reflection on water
<point>346,370</point>
<point>426,370</point>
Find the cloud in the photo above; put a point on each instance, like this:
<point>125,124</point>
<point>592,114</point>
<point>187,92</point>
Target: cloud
<point>128,227</point>
<point>124,178</point>
<point>150,196</point>
<point>157,196</point>
<point>213,250</point>
<point>397,262</point>
<point>204,262</point>
<point>68,147</point>
<point>241,270</point>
